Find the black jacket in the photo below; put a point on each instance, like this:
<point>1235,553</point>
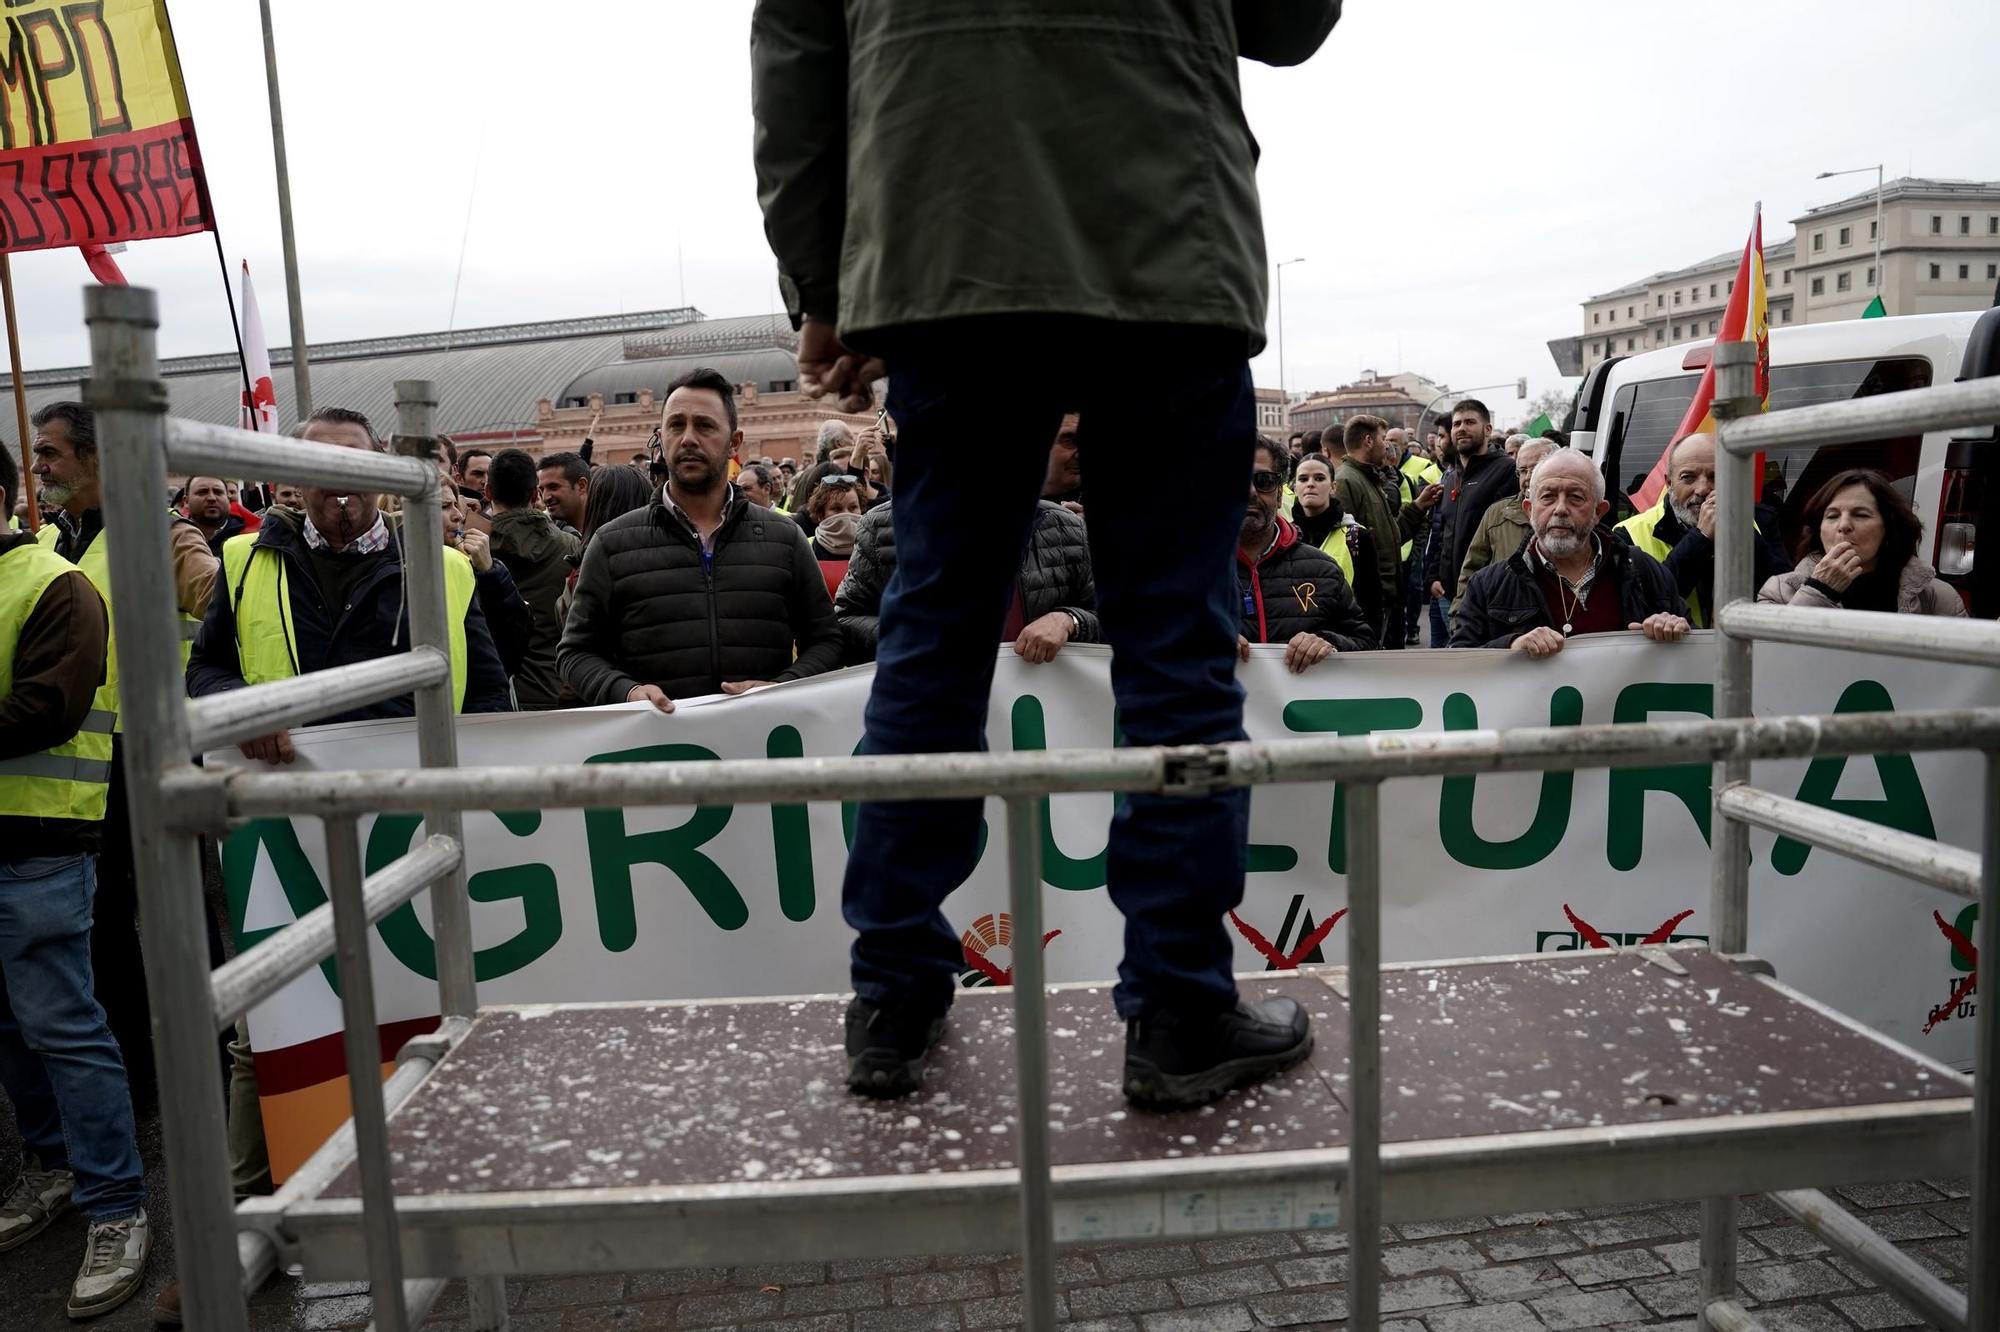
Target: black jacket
<point>1315,529</point>
<point>651,607</point>
<point>1055,576</point>
<point>1690,560</point>
<point>1505,600</point>
<point>375,624</point>
<point>1470,488</point>
<point>1298,589</point>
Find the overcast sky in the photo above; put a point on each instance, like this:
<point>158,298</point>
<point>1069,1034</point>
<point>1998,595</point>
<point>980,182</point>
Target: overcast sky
<point>1457,174</point>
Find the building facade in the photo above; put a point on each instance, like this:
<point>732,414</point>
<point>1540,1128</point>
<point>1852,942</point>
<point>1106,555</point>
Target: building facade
<point>1940,250</point>
<point>1399,399</point>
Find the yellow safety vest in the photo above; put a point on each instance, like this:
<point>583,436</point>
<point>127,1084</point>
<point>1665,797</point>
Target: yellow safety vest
<point>1336,546</point>
<point>69,780</point>
<point>96,566</point>
<point>260,595</point>
<point>1426,474</point>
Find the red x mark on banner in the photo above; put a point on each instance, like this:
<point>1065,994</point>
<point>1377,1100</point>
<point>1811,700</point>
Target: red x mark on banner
<point>1269,951</point>
<point>1964,987</point>
<point>996,974</point>
<point>1661,935</point>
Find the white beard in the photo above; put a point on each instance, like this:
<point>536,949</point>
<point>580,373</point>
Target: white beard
<point>1689,517</point>
<point>1560,545</point>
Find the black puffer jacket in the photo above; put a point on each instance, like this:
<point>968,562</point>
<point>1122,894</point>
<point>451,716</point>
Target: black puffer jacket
<point>1298,589</point>
<point>1055,576</point>
<point>650,607</point>
<point>1505,600</point>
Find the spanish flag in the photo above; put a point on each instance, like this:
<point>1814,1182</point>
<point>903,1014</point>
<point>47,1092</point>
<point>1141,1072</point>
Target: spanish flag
<point>1747,317</point>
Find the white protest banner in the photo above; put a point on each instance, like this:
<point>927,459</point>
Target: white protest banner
<point>727,901</point>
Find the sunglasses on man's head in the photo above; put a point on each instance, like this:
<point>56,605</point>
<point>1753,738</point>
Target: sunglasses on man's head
<point>1266,482</point>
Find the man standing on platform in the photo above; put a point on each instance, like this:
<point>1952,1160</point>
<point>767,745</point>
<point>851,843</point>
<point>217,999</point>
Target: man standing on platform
<point>1127,285</point>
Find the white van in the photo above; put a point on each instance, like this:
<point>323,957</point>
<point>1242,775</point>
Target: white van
<point>1627,408</point>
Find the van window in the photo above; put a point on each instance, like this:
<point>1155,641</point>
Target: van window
<point>1645,415</point>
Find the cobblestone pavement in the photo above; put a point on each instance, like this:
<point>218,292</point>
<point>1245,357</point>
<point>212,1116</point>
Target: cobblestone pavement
<point>1567,1270</point>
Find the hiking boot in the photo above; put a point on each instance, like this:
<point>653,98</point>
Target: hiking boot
<point>167,1305</point>
<point>114,1265</point>
<point>887,1048</point>
<point>37,1198</point>
<point>1174,1061</point>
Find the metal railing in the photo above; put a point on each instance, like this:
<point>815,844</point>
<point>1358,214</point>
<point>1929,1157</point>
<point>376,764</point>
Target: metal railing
<point>1743,431</point>
<point>226,1251</point>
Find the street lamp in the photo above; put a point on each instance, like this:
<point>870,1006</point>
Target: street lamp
<point>1855,171</point>
<point>1281,329</point>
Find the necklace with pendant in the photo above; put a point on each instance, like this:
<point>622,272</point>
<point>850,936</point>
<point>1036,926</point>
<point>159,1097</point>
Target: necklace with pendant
<point>1572,602</point>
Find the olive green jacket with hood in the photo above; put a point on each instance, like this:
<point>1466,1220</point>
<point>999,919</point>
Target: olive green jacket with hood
<point>921,160</point>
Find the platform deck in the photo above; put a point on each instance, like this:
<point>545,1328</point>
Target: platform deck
<point>707,1113</point>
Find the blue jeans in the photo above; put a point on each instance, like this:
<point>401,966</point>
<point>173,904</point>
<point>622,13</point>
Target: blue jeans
<point>1167,422</point>
<point>1440,621</point>
<point>58,1062</point>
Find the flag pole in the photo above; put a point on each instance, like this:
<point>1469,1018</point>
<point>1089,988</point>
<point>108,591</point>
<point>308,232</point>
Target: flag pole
<point>20,395</point>
<point>235,324</point>
<point>294,303</point>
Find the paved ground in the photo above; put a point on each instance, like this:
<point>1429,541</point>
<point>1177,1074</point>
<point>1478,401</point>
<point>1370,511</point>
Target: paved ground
<point>1595,1268</point>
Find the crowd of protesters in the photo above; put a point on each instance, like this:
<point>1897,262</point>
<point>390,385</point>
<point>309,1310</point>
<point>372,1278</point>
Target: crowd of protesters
<point>699,572</point>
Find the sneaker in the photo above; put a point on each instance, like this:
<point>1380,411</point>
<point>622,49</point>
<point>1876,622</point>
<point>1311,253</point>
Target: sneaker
<point>1174,1061</point>
<point>114,1265</point>
<point>887,1048</point>
<point>37,1198</point>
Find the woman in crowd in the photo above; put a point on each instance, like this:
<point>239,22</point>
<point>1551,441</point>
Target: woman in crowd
<point>836,493</point>
<point>613,491</point>
<point>1862,554</point>
<point>871,463</point>
<point>1322,522</point>
<point>508,618</point>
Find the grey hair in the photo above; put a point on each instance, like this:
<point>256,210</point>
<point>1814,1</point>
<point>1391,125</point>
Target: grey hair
<point>832,431</point>
<point>1563,455</point>
<point>1537,444</point>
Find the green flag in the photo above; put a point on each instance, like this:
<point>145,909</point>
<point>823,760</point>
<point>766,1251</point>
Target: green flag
<point>1534,428</point>
<point>1875,310</point>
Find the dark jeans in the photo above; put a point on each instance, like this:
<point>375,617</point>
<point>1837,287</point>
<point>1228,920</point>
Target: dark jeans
<point>1166,428</point>
<point>1414,594</point>
<point>58,1061</point>
<point>1440,621</point>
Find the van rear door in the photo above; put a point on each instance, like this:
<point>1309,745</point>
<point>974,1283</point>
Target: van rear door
<point>1970,468</point>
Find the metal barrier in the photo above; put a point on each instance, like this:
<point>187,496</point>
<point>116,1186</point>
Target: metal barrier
<point>225,1252</point>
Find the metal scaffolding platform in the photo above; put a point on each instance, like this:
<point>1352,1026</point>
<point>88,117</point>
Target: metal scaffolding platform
<point>607,1137</point>
<point>571,1136</point>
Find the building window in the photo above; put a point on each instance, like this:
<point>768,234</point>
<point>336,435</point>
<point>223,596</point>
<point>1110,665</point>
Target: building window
<point>1993,226</point>
<point>1711,291</point>
<point>1871,231</point>
<point>1843,281</point>
<point>623,399</point>
<point>1659,337</point>
<point>1965,226</point>
<point>1819,285</point>
<point>1594,316</point>
<point>1730,290</point>
<point>1992,271</point>
<point>1677,298</point>
<point>1819,241</point>
<point>1936,272</point>
<point>1847,235</point>
<point>1628,344</point>
<point>1964,272</point>
<point>1785,315</point>
<point>1677,332</point>
<point>1711,326</point>
<point>1788,277</point>
<point>1871,275</point>
<point>1660,301</point>
<point>1694,294</point>
<point>1937,225</point>
<point>1628,311</point>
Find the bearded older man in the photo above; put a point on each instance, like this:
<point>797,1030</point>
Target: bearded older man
<point>1679,530</point>
<point>1567,580</point>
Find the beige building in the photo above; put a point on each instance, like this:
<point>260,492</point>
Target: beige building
<point>1399,399</point>
<point>1940,251</point>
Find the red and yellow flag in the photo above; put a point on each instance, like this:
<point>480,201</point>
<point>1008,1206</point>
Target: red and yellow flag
<point>96,142</point>
<point>1747,316</point>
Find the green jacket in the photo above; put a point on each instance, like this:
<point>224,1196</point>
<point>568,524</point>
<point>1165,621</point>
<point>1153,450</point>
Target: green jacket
<point>921,160</point>
<point>1361,495</point>
<point>1503,529</point>
<point>537,553</point>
